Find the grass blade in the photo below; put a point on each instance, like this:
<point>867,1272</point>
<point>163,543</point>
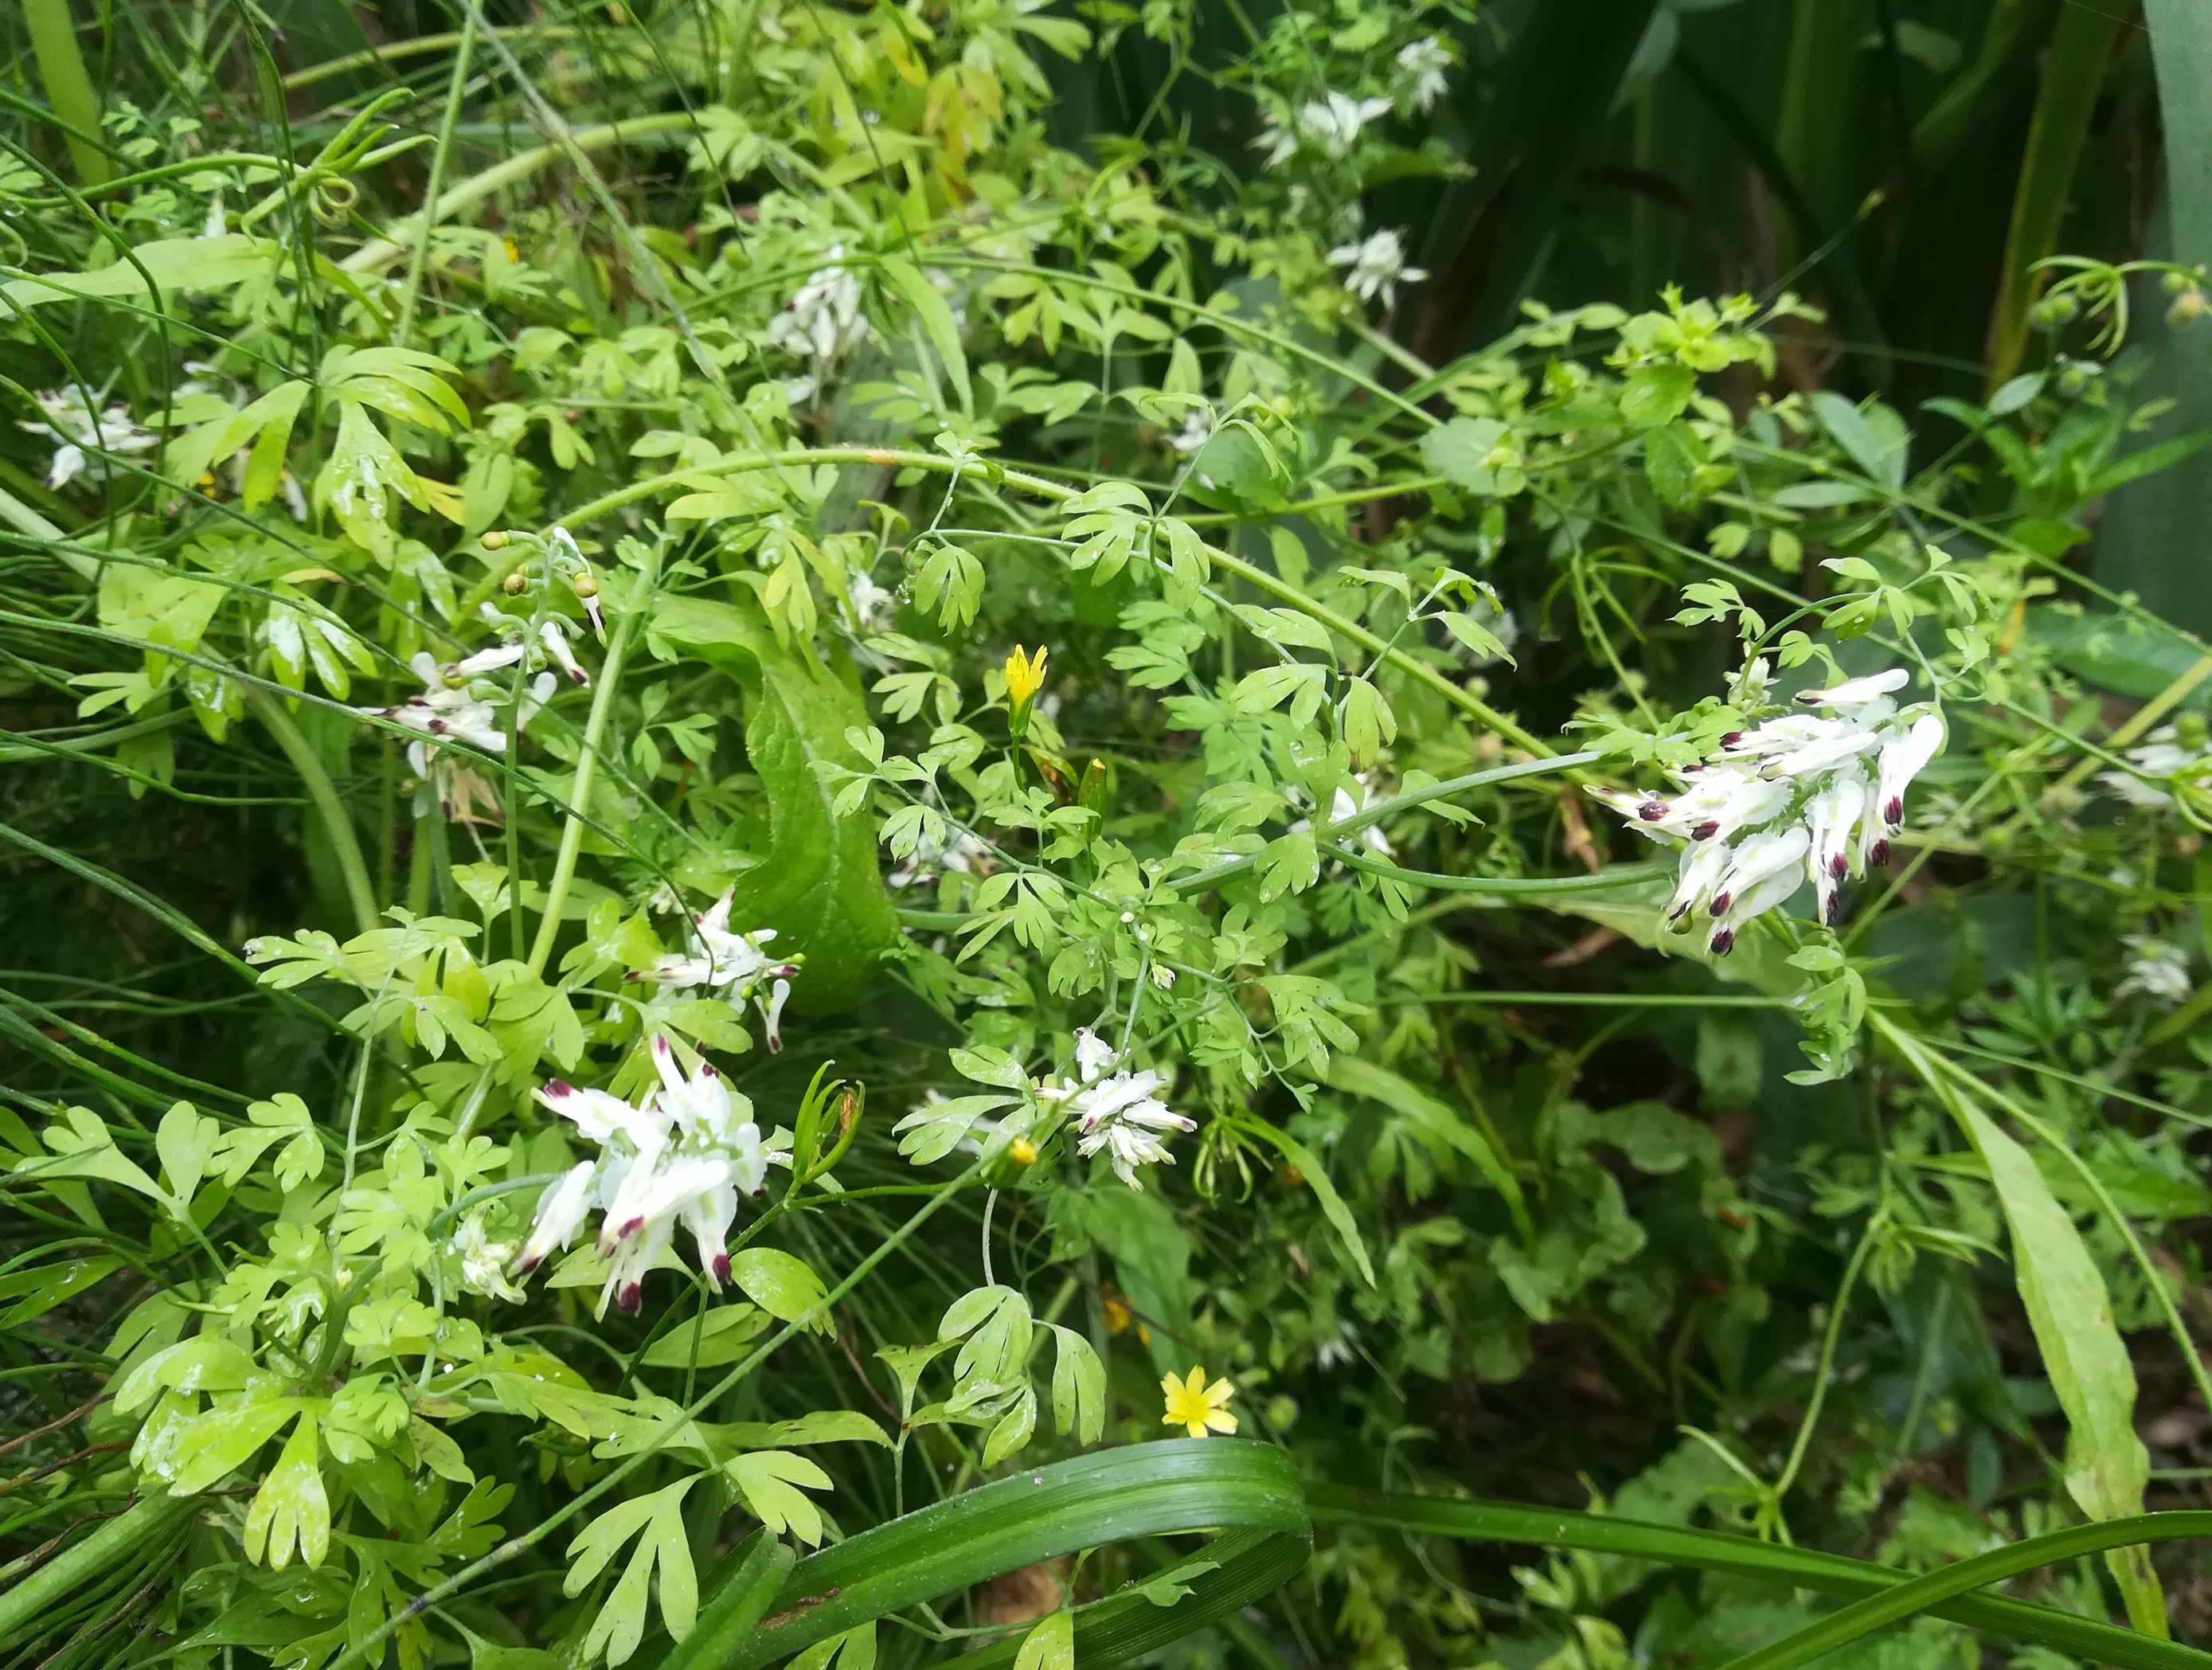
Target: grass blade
<point>2073,72</point>
<point>68,88</point>
<point>1862,1617</point>
<point>1180,1484</point>
<point>1743,1556</point>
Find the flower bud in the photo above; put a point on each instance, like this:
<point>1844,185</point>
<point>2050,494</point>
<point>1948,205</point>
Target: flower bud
<point>516,583</point>
<point>2188,307</point>
<point>1022,1151</point>
<point>494,541</point>
<point>585,586</point>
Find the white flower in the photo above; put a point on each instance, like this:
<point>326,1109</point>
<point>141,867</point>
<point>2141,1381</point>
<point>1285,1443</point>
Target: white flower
<point>2156,970</point>
<point>962,853</point>
<point>1335,1352</point>
<point>459,703</point>
<point>1121,1115</point>
<point>1093,1054</point>
<point>1375,263</point>
<point>1793,790</point>
<point>735,964</point>
<point>2163,756</point>
<point>77,433</point>
<point>483,1261</point>
<point>822,320</point>
<point>1764,875</point>
<point>561,1211</point>
<point>1197,429</point>
<point>680,1159</point>
<point>1342,806</point>
<point>1279,143</point>
<point>873,605</point>
<point>1334,121</point>
<point>1426,61</point>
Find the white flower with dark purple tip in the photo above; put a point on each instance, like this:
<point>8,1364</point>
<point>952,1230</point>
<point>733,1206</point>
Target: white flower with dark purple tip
<point>551,634</point>
<point>1703,865</point>
<point>1832,816</point>
<point>1797,779</point>
<point>1902,759</point>
<point>1857,692</point>
<point>561,1211</point>
<point>1332,121</point>
<point>1764,875</point>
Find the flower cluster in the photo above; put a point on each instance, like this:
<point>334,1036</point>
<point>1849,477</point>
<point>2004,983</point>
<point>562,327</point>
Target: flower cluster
<point>822,320</point>
<point>77,433</point>
<point>1425,62</point>
<point>2165,764</point>
<point>679,1158</point>
<point>1329,123</point>
<point>1375,266</point>
<point>736,965</point>
<point>1816,795</point>
<point>1122,1114</point>
<point>2156,969</point>
<point>460,701</point>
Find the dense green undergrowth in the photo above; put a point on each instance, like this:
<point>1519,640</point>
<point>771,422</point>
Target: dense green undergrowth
<point>801,864</point>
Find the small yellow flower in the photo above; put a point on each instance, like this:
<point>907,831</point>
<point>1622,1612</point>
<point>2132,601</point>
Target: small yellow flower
<point>1024,678</point>
<point>1116,1315</point>
<point>512,254</point>
<point>1022,1151</point>
<point>1197,1407</point>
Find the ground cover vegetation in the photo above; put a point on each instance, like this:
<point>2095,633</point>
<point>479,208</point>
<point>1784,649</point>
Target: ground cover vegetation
<point>1048,833</point>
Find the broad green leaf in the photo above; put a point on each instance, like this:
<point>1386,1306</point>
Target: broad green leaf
<point>770,1481</point>
<point>817,886</point>
<point>1050,1645</point>
<point>2083,1355</point>
<point>781,1285</point>
<point>718,1339</point>
<point>201,265</point>
<point>290,1506</point>
<point>1078,1386</point>
<point>186,1141</point>
<point>215,1444</point>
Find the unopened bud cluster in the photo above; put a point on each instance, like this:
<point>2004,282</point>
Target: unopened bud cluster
<point>1817,794</point>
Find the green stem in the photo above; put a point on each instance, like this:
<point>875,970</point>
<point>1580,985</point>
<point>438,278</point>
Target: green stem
<point>128,1534</point>
<point>344,840</point>
<point>68,88</point>
<point>454,88</point>
<point>1835,1329</point>
<point>475,189</point>
<point>540,34</point>
<point>579,800</point>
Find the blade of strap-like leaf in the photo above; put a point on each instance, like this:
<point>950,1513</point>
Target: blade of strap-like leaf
<point>2073,72</point>
<point>1925,1593</point>
<point>1798,1568</point>
<point>1249,1490</point>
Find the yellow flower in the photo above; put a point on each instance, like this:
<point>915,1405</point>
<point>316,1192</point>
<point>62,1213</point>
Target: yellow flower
<point>1022,1151</point>
<point>1024,678</point>
<point>1197,1407</point>
<point>1116,1315</point>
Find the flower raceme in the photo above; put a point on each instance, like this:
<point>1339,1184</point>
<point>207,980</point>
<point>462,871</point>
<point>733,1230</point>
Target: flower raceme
<point>460,701</point>
<point>1121,1114</point>
<point>1817,794</point>
<point>736,965</point>
<point>680,1159</point>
